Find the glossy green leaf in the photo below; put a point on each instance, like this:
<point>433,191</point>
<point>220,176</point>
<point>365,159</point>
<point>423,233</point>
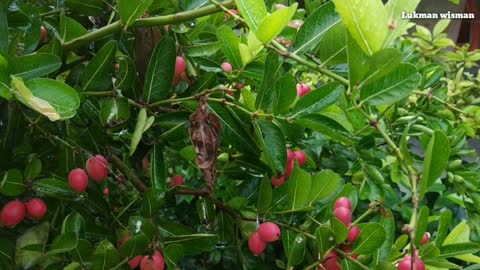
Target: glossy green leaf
<point>105,256</point>
<point>274,23</point>
<point>70,28</point>
<point>436,159</point>
<point>326,126</point>
<point>392,87</point>
<point>75,223</point>
<point>318,99</point>
<point>86,7</point>
<point>369,33</point>
<point>422,222</point>
<point>230,46</point>
<point>56,188</point>
<point>5,92</point>
<point>136,245</point>
<point>315,27</point>
<point>395,8</point>
<point>193,243</point>
<point>126,76</point>
<point>340,231</point>
<point>98,73</point>
<point>387,221</point>
<point>52,98</point>
<point>332,47</point>
<point>325,239</point>
<point>138,224</point>
<point>273,69</point>
<point>36,65</point>
<point>253,11</point>
<point>453,250</point>
<point>158,171</point>
<point>138,132</point>
<point>150,203</point>
<point>285,93</point>
<point>63,243</point>
<point>272,142</point>
<point>324,183</point>
<point>36,235</point>
<point>33,168</point>
<point>443,225</point>
<point>370,239</point>
<point>297,250</point>
<point>114,112</point>
<point>130,10</point>
<point>160,72</point>
<point>173,255</point>
<point>82,251</point>
<point>441,263</point>
<point>203,49</point>
<point>381,64</point>
<point>299,184</point>
<point>265,195</point>
<point>12,183</point>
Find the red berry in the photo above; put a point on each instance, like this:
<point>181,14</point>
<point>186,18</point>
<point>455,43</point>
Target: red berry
<point>353,234</point>
<point>124,240</point>
<point>12,213</point>
<point>269,232</point>
<point>290,155</point>
<point>346,248</point>
<point>106,191</point>
<point>343,202</point>
<point>36,208</point>
<point>116,66</point>
<point>343,214</point>
<point>177,180</point>
<point>133,263</point>
<point>276,182</point>
<point>332,254</point>
<point>406,264</point>
<point>97,168</point>
<point>302,89</point>
<point>255,244</point>
<point>226,67</point>
<point>425,238</point>
<point>156,263</point>
<point>43,34</point>
<point>180,65</point>
<point>289,168</point>
<point>300,156</point>
<point>78,180</point>
<point>331,264</point>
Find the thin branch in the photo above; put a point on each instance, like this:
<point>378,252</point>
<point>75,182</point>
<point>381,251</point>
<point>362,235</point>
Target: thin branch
<point>118,163</point>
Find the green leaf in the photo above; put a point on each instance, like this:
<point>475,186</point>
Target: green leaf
<point>158,171</point>
<point>83,251</point>
<point>70,28</point>
<point>325,239</point>
<point>388,222</point>
<point>273,69</point>
<point>340,231</point>
<point>453,250</point>
<point>395,8</point>
<point>315,27</point>
<point>63,243</point>
<point>274,23</point>
<point>265,195</point>
<point>36,65</point>
<point>12,183</point>
<point>150,203</point>
<point>114,112</point>
<point>422,222</point>
<point>299,184</point>
<point>5,92</point>
<point>33,168</point>
<point>136,245</point>
<point>459,234</point>
<point>56,188</point>
<point>324,184</point>
<point>318,99</point>
<point>297,250</point>
<point>130,10</point>
<point>370,32</point>
<point>52,98</point>
<point>160,72</point>
<point>86,7</point>
<point>230,46</point>
<point>332,47</point>
<point>436,160</point>
<point>392,87</point>
<point>245,53</point>
<point>203,49</point>
<point>272,142</point>
<point>380,64</point>
<point>371,237</point>
<point>139,224</point>
<point>138,132</point>
<point>105,256</point>
<point>326,126</point>
<point>98,73</point>
<point>443,225</point>
<point>253,11</point>
<point>440,27</point>
<point>285,93</point>
<point>126,76</point>
<point>75,223</point>
<point>173,254</point>
<point>194,243</point>
<point>36,235</point>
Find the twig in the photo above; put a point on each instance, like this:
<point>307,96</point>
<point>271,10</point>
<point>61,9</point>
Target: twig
<point>118,163</point>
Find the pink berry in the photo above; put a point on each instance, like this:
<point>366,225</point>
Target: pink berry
<point>302,89</point>
<point>276,182</point>
<point>78,180</point>
<point>135,262</point>
<point>269,232</point>
<point>331,264</point>
<point>290,155</point>
<point>406,264</point>
<point>157,262</point>
<point>36,208</point>
<point>425,238</point>
<point>97,168</point>
<point>343,202</point>
<point>300,156</point>
<point>289,168</point>
<point>177,180</point>
<point>180,65</point>
<point>227,67</point>
<point>346,248</point>
<point>256,244</point>
<point>12,213</point>
<point>106,191</point>
<point>353,234</point>
<point>343,214</point>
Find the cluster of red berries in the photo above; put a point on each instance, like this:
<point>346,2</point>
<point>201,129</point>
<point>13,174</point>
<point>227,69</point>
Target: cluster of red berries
<point>301,158</point>
<point>267,232</point>
<point>406,262</point>
<point>97,169</point>
<point>303,89</point>
<point>153,262</point>
<point>15,211</point>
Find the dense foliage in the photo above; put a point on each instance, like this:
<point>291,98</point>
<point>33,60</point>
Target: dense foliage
<point>245,134</point>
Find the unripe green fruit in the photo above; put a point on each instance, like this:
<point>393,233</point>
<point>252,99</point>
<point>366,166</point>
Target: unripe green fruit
<point>454,165</point>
